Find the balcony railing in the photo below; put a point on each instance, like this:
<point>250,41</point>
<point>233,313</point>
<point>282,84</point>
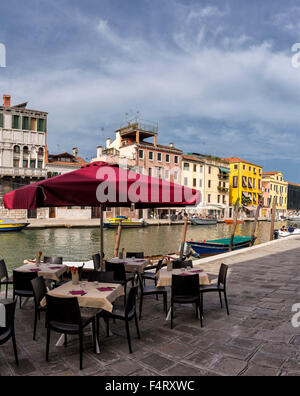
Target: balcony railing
<point>23,172</point>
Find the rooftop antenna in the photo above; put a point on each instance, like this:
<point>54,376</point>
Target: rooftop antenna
<point>126,117</point>
<point>137,116</point>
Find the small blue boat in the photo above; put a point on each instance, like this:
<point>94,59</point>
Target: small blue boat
<point>219,246</point>
<point>12,226</point>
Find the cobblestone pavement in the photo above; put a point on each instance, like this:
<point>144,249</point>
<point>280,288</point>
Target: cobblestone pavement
<point>256,339</point>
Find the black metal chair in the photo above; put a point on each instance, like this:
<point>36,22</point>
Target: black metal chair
<point>53,260</point>
<point>125,314</point>
<point>4,278</point>
<point>64,316</point>
<point>177,264</point>
<point>120,275</point>
<point>101,277</point>
<point>39,292</point>
<point>151,291</point>
<point>138,255</point>
<point>185,290</point>
<point>22,285</point>
<point>9,331</point>
<point>152,275</point>
<point>219,287</point>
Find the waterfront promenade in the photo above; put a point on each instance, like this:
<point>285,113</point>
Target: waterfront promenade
<point>256,339</point>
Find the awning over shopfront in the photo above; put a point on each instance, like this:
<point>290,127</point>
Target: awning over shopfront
<point>224,170</point>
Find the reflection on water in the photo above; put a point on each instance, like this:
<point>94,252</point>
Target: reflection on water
<point>81,244</point>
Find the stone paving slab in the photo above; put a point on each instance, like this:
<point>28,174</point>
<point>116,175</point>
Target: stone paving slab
<point>256,339</point>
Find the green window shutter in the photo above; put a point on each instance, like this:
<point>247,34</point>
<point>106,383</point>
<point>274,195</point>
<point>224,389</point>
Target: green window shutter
<point>41,125</point>
<point>1,120</point>
<point>16,121</point>
<point>25,123</point>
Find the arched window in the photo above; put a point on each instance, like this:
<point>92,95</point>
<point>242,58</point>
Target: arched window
<point>25,150</point>
<point>17,150</point>
<point>41,151</point>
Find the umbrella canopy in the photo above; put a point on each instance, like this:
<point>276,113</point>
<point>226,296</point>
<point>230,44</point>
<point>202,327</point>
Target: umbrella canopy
<point>101,184</point>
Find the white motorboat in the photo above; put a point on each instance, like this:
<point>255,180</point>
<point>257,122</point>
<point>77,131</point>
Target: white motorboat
<point>285,234</point>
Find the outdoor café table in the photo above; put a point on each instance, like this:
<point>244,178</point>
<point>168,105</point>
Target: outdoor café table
<point>94,295</point>
<point>132,264</point>
<point>47,271</point>
<point>165,276</point>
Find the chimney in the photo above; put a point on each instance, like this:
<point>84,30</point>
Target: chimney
<point>75,151</point>
<point>108,142</point>
<point>6,100</point>
<point>172,145</point>
<point>99,151</point>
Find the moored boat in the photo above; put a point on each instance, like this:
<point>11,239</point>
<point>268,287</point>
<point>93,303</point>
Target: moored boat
<point>198,221</point>
<point>12,226</point>
<point>231,221</point>
<point>219,246</point>
<point>125,223</point>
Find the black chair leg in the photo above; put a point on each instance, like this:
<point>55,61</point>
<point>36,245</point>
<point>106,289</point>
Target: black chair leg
<point>81,348</point>
<point>141,306</point>
<point>128,336</point>
<point>35,324</point>
<point>6,292</point>
<point>15,348</point>
<point>66,341</point>
<point>137,326</point>
<point>226,303</point>
<point>200,311</point>
<point>48,344</point>
<point>125,290</point>
<point>165,304</point>
<point>220,295</point>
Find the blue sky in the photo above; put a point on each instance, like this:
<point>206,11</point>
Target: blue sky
<point>216,75</point>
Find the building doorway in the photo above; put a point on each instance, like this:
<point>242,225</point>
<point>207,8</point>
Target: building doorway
<point>52,213</point>
<point>32,214</point>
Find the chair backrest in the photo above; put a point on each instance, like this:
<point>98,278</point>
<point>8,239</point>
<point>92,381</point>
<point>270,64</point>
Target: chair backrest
<point>3,270</point>
<point>131,300</point>
<point>22,280</point>
<point>139,255</point>
<point>118,270</point>
<point>185,286</point>
<point>223,275</point>
<point>182,264</point>
<point>102,277</point>
<point>10,317</point>
<point>97,261</point>
<point>159,266</point>
<point>39,289</point>
<point>63,310</point>
<point>53,260</point>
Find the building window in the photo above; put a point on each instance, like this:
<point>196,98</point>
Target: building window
<point>175,175</point>
<point>236,167</point>
<point>32,164</point>
<point>25,123</point>
<point>25,150</point>
<point>200,183</point>
<point>141,154</point>
<point>186,166</point>
<point>250,168</point>
<point>201,169</point>
<point>167,158</point>
<point>167,174</point>
<point>40,164</point>
<point>1,120</point>
<point>159,156</point>
<point>186,182</point>
<point>25,164</point>
<point>209,198</point>
<point>244,167</point>
<point>16,163</point>
<point>244,182</point>
<point>209,183</point>
<point>40,126</point>
<point>195,168</point>
<point>151,155</point>
<point>176,159</point>
<point>219,198</point>
<point>150,172</point>
<point>15,122</point>
<point>41,151</point>
<point>194,182</point>
<point>224,199</point>
<point>209,170</point>
<point>17,150</point>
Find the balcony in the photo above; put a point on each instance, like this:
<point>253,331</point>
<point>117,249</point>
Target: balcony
<point>223,189</point>
<point>23,172</point>
<point>223,176</point>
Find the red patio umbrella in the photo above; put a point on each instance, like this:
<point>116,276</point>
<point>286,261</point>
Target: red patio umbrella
<point>101,184</point>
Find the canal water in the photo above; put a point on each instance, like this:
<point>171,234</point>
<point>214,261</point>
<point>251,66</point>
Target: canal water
<point>81,244</point>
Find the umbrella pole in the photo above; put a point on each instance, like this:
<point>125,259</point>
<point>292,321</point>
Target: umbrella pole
<point>184,236</point>
<point>116,252</point>
<point>101,237</point>
<point>273,219</point>
<point>236,215</point>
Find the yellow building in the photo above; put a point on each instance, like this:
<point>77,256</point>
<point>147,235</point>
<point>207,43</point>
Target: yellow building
<point>274,187</point>
<point>245,182</point>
